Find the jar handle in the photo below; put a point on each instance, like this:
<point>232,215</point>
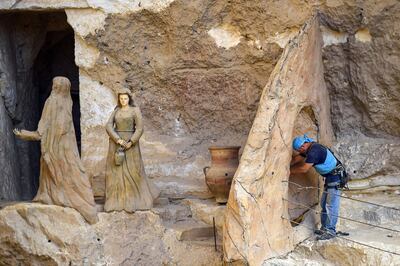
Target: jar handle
<point>205,169</point>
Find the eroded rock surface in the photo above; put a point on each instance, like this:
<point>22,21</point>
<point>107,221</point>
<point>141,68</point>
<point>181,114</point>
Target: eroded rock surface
<point>197,70</point>
<point>361,66</point>
<point>257,223</point>
<point>342,252</point>
<point>35,234</point>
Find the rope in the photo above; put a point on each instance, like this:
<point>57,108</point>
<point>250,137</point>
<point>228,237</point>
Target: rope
<point>345,218</point>
<point>363,201</point>
<point>359,243</point>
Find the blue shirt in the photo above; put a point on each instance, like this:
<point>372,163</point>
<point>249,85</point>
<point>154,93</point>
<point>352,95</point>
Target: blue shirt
<point>322,160</point>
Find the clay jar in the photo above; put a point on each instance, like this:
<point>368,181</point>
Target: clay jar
<point>224,162</point>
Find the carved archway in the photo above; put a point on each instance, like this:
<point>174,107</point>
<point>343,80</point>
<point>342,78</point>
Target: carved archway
<point>300,193</point>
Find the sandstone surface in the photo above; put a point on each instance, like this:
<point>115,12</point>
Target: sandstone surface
<point>254,228</point>
<point>366,245</point>
<point>197,70</point>
<point>35,234</point>
<point>343,252</point>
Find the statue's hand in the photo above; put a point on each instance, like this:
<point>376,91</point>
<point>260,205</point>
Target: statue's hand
<point>128,145</point>
<point>17,132</point>
<point>121,142</point>
<point>26,134</point>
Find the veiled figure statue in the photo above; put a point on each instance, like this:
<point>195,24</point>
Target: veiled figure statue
<point>62,180</point>
<point>127,186</point>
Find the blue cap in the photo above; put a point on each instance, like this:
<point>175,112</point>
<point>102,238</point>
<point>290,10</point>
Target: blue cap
<point>300,140</point>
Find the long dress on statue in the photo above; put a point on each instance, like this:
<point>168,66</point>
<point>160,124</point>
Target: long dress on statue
<point>62,180</point>
<point>127,186</point>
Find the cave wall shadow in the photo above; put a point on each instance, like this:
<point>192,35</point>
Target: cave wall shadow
<point>42,46</point>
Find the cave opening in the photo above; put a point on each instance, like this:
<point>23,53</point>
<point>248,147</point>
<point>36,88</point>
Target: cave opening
<point>56,58</point>
<point>303,191</point>
<point>39,46</point>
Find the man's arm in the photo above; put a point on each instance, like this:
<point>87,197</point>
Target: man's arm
<point>300,168</point>
<point>296,159</point>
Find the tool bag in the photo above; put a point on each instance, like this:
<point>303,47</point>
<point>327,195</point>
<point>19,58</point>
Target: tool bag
<point>340,170</point>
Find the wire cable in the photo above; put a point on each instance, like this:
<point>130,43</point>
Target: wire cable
<point>359,243</point>
<point>363,201</point>
<point>345,218</point>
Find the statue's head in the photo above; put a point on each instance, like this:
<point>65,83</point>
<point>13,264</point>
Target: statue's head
<point>125,98</point>
<point>61,85</point>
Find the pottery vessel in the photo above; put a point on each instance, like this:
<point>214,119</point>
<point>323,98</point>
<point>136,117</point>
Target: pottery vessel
<point>224,162</point>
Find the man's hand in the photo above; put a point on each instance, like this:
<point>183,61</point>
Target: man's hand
<point>296,159</point>
<point>300,168</point>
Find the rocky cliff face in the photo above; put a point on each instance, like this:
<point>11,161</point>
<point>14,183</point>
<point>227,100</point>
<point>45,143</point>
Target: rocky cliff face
<point>9,183</point>
<point>36,234</point>
<point>362,60</point>
<point>197,70</point>
<point>196,75</point>
<point>257,219</point>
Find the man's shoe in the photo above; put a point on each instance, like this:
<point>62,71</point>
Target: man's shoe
<point>320,231</point>
<point>326,236</point>
<point>340,233</point>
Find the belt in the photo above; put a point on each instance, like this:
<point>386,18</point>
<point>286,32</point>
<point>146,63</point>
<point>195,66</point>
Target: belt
<point>331,185</point>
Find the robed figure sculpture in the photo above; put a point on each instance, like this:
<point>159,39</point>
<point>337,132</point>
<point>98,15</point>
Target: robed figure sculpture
<point>62,180</point>
<point>127,186</point>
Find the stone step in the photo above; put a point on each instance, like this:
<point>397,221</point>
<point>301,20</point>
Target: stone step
<point>172,212</point>
<point>179,188</point>
<point>197,233</point>
<point>192,230</point>
<point>205,210</point>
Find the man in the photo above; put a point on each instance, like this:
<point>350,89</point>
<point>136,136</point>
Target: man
<point>312,154</point>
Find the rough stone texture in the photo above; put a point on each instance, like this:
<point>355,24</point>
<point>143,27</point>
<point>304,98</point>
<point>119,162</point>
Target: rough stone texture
<point>198,88</point>
<point>345,252</point>
<point>41,4</point>
<point>19,95</point>
<point>85,21</point>
<point>98,102</point>
<point>217,57</point>
<point>206,210</point>
<point>179,77</point>
<point>362,72</point>
<point>215,60</point>
<point>28,39</point>
<point>25,39</point>
<point>34,234</point>
<point>371,162</point>
<point>9,172</point>
<point>254,230</point>
<point>182,69</point>
<point>372,214</point>
<point>342,252</point>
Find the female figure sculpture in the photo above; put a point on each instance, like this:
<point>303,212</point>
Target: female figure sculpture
<point>62,178</point>
<point>127,186</point>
